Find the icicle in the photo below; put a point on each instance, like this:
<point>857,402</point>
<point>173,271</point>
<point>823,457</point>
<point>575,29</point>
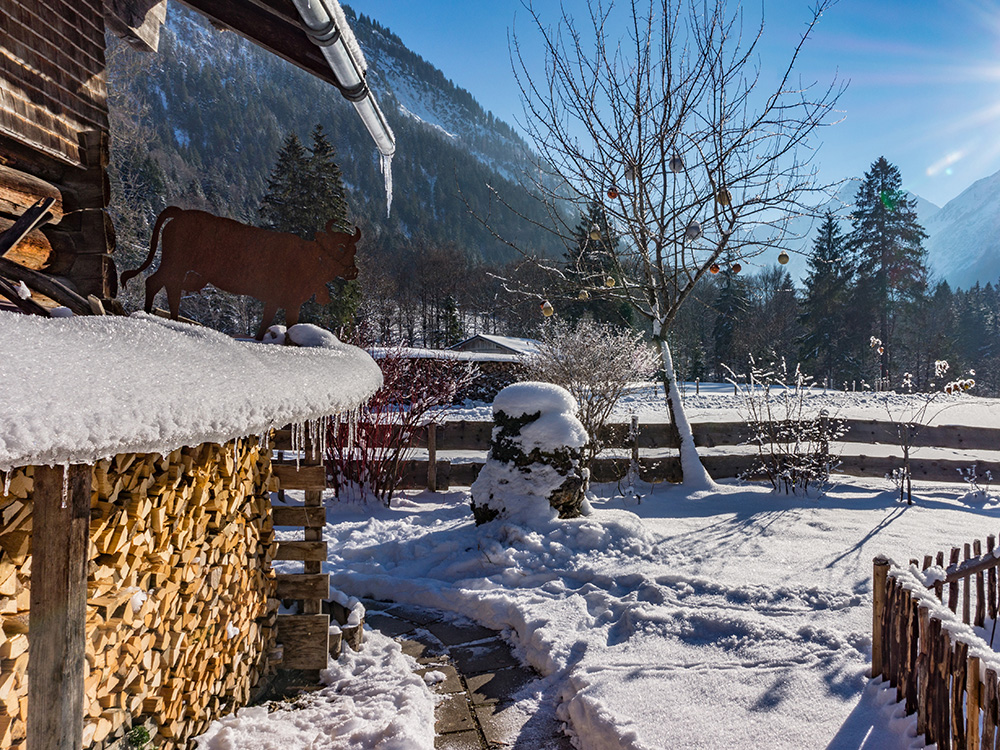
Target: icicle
<point>6,481</point>
<point>386,164</point>
<point>65,487</point>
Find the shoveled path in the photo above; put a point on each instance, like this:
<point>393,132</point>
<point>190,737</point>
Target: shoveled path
<point>489,700</point>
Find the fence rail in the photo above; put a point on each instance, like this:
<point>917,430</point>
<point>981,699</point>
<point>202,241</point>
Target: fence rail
<point>475,436</point>
<point>930,663</point>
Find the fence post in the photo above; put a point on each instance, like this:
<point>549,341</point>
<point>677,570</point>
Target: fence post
<point>972,703</point>
<point>880,572</point>
<point>432,457</point>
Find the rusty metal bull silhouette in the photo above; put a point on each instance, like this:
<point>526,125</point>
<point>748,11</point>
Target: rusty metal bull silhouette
<point>281,270</point>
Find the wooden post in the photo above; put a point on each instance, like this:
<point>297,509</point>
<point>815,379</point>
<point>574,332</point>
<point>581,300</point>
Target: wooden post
<point>57,635</point>
<point>967,581</point>
<point>977,550</point>
<point>880,572</point>
<point>973,701</point>
<point>953,586</point>
<point>432,479</point>
<point>634,435</point>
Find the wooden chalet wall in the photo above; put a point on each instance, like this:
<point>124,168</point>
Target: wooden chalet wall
<point>181,606</point>
<point>54,128</point>
<point>54,135</point>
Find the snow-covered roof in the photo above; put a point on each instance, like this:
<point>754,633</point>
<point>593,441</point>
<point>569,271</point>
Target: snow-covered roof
<point>516,345</point>
<point>74,390</point>
<point>378,352</point>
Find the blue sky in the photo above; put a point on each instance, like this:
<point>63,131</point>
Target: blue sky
<point>924,75</point>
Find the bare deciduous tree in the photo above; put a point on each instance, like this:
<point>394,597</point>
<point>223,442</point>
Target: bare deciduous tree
<point>693,151</point>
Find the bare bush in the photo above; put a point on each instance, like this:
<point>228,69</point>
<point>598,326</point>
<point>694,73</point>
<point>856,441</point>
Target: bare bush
<point>367,454</point>
<point>595,363</point>
<point>792,438</point>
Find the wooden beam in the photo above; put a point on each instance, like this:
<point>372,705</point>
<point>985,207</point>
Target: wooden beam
<point>302,551</point>
<point>305,639</point>
<point>268,29</point>
<point>20,190</point>
<point>297,515</point>
<point>301,478</point>
<point>33,217</point>
<point>138,22</point>
<point>57,635</point>
<point>28,305</point>
<point>47,285</point>
<point>303,586</point>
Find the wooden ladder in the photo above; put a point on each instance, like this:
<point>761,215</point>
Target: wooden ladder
<point>304,636</point>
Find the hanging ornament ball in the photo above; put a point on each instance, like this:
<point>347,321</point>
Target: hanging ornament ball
<point>714,268</point>
<point>547,309</point>
<point>595,233</point>
<point>609,282</point>
<point>612,193</point>
<point>693,231</point>
<point>584,294</point>
<point>723,197</point>
<point>736,268</point>
<point>783,258</point>
<point>630,172</point>
<point>676,163</point>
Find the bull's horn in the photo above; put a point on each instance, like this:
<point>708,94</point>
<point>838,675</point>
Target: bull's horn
<point>357,233</point>
<point>329,226</point>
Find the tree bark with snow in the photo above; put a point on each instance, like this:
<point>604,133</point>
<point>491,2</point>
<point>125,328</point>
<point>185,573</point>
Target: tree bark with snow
<point>694,155</point>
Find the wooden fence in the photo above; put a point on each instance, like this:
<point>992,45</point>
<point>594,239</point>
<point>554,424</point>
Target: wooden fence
<point>438,473</point>
<point>936,667</point>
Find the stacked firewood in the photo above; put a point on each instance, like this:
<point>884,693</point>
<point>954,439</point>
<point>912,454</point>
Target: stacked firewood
<point>180,607</point>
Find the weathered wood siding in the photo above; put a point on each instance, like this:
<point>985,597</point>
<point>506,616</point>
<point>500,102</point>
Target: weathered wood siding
<point>54,136</point>
<point>52,58</point>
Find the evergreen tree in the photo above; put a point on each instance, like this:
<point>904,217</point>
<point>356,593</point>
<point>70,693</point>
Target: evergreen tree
<point>451,325</point>
<point>886,244</point>
<point>305,193</point>
<point>730,307</point>
<point>589,266</point>
<point>824,345</point>
<point>287,205</point>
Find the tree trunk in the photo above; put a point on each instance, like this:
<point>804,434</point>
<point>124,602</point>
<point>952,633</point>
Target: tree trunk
<point>692,471</point>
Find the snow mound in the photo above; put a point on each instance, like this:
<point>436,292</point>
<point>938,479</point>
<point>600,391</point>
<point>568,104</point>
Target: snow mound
<point>530,397</point>
<point>306,334</point>
<point>84,388</point>
<point>551,431</point>
<point>372,700</point>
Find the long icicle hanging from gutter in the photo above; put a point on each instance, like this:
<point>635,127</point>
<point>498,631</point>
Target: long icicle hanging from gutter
<point>327,26</point>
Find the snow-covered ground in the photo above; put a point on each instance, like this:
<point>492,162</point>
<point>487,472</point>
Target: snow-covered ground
<point>718,619</point>
<point>686,621</point>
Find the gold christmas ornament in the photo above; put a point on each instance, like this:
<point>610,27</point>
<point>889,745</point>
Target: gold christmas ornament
<point>612,193</point>
<point>723,197</point>
<point>783,258</point>
<point>714,268</point>
<point>595,233</point>
<point>609,282</point>
<point>736,268</point>
<point>584,294</point>
<point>547,309</point>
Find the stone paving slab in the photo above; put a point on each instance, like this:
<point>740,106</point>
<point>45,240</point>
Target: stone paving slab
<point>483,657</point>
<point>476,709</point>
<point>490,687</point>
<point>453,714</point>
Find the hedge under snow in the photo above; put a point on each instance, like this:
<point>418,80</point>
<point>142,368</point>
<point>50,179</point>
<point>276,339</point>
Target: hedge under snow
<point>79,389</point>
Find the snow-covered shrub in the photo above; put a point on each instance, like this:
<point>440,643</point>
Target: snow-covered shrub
<point>792,438</point>
<point>533,471</point>
<point>595,363</point>
<point>367,454</point>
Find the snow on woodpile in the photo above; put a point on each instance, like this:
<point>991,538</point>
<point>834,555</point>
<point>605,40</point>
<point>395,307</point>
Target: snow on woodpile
<point>83,388</point>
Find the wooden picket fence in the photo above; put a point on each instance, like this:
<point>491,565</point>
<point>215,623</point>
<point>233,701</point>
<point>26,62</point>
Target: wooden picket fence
<point>948,680</point>
<point>437,472</point>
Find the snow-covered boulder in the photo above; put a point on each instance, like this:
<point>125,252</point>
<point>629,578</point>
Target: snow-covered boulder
<point>533,470</point>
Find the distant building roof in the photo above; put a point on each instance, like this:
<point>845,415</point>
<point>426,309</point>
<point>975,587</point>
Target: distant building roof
<point>380,352</point>
<point>483,342</point>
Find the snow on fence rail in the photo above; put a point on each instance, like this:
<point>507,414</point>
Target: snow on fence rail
<point>932,652</point>
<point>474,436</point>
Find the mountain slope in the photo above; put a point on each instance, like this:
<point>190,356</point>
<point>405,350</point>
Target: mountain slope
<point>218,109</point>
<point>964,243</point>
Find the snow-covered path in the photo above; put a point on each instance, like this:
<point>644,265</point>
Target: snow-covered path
<point>684,622</point>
